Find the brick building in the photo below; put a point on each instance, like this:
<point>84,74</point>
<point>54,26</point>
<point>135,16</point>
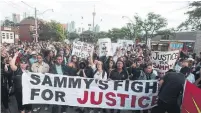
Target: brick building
<point>26,28</point>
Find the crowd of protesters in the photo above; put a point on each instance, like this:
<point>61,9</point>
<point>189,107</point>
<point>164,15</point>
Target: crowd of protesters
<point>56,58</point>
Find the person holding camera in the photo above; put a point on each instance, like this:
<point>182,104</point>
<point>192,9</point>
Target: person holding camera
<point>73,65</point>
<point>85,68</point>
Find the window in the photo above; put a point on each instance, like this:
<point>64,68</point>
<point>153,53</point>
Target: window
<point>7,35</point>
<point>11,37</point>
<point>3,37</point>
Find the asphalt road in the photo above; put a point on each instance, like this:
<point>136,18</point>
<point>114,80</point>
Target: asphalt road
<point>13,108</point>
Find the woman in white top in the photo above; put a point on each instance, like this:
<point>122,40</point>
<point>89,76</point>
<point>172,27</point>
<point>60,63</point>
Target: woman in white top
<point>99,72</point>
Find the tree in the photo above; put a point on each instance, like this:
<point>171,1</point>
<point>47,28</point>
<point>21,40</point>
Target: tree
<point>152,24</point>
<point>134,27</point>
<point>52,30</point>
<point>8,23</point>
<point>193,22</point>
<point>73,36</point>
<point>117,33</point>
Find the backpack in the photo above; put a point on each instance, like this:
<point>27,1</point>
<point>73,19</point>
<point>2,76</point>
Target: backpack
<point>103,73</point>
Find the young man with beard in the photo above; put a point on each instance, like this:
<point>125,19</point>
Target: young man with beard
<point>59,68</point>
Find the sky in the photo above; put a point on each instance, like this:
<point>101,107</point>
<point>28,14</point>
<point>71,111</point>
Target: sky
<point>109,11</point>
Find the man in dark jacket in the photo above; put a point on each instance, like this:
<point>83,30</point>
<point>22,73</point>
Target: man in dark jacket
<point>171,87</point>
<point>58,68</point>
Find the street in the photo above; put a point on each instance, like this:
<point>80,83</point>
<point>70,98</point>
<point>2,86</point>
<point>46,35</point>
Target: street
<point>13,108</point>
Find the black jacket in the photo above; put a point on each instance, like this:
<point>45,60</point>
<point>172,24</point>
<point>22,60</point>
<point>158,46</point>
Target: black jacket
<point>115,75</point>
<point>65,69</point>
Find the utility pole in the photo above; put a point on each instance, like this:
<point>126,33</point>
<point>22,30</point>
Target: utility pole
<point>94,14</point>
<point>36,26</point>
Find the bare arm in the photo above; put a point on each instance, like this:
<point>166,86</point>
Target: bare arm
<point>197,81</point>
<point>84,73</point>
<point>12,62</point>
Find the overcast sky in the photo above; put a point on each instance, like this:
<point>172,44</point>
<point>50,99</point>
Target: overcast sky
<point>110,11</point>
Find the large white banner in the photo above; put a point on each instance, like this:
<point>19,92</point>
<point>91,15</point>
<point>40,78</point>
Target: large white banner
<point>86,92</point>
<point>104,47</point>
<point>164,60</point>
<point>82,49</point>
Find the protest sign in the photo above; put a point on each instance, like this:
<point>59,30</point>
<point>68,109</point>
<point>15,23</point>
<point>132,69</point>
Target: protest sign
<point>175,46</point>
<point>114,48</point>
<point>54,89</point>
<point>104,46</point>
<point>125,45</point>
<point>164,60</point>
<point>82,49</point>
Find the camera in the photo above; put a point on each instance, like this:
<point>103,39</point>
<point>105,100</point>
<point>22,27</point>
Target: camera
<point>82,65</point>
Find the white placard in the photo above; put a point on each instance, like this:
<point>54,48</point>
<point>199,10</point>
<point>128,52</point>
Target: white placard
<point>82,49</point>
<point>164,60</point>
<point>104,46</point>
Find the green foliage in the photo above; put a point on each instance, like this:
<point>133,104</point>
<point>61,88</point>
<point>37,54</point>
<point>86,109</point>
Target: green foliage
<point>117,33</point>
<point>152,24</point>
<point>8,23</point>
<point>73,36</point>
<point>194,17</point>
<point>52,31</point>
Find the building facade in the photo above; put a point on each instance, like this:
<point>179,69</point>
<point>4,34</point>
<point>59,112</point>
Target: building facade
<point>16,18</point>
<point>26,29</point>
<point>190,42</point>
<point>7,35</point>
<point>97,28</point>
<point>71,27</point>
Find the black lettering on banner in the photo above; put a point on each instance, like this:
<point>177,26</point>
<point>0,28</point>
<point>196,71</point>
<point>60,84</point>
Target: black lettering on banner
<point>60,82</point>
<point>156,56</point>
<point>117,84</point>
<point>34,92</point>
<point>47,81</point>
<point>59,95</point>
<point>103,84</point>
<point>165,57</point>
<point>47,91</point>
<point>74,82</point>
<point>88,82</point>
<point>139,86</point>
<point>126,85</point>
<point>153,87</point>
<point>36,78</point>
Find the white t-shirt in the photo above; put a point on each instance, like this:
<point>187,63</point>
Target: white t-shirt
<point>98,75</point>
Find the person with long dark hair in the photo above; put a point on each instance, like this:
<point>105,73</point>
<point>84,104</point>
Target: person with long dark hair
<point>119,73</point>
<point>18,71</point>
